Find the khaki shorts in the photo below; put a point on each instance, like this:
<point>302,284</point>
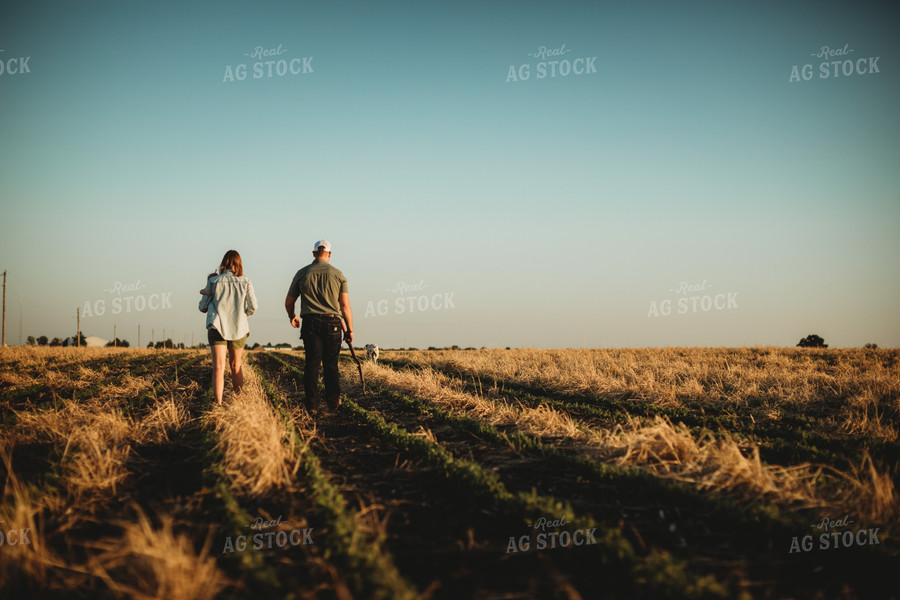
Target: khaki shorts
<point>215,338</point>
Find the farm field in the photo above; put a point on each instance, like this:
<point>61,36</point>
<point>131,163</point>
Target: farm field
<point>646,473</point>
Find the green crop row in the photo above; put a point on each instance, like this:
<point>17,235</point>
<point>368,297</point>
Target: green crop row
<point>137,370</point>
<point>676,493</point>
<point>163,383</point>
<point>368,570</point>
<point>654,575</point>
<point>229,514</point>
<point>16,395</point>
<point>796,439</point>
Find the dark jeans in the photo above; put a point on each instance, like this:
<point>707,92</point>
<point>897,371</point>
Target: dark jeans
<point>322,339</point>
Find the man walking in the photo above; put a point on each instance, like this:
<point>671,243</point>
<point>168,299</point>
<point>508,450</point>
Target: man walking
<point>324,300</point>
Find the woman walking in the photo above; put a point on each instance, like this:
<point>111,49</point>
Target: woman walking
<point>228,299</point>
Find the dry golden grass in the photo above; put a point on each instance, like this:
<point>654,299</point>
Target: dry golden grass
<point>856,387</point>
<point>11,379</point>
<point>253,440</point>
<point>96,439</point>
<point>166,417</point>
<point>38,356</point>
<point>144,562</point>
<point>669,450</point>
<point>664,449</point>
<point>129,387</point>
<point>19,511</point>
<point>149,563</point>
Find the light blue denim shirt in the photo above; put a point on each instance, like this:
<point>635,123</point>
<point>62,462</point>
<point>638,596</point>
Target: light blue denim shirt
<point>231,302</point>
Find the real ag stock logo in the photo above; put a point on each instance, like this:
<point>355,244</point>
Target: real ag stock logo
<point>15,65</point>
<point>691,298</point>
<point>13,537</point>
<point>125,300</point>
<point>837,62</point>
<point>268,63</point>
<point>553,63</point>
<point>281,538</point>
<point>546,535</point>
<point>836,536</point>
<point>410,298</point>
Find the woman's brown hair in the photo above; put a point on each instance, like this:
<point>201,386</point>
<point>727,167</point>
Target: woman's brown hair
<point>232,262</point>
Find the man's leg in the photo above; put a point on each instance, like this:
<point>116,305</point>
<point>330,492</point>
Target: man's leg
<point>312,348</point>
<point>331,351</point>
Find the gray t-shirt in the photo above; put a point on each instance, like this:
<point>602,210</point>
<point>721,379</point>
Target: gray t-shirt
<point>319,286</point>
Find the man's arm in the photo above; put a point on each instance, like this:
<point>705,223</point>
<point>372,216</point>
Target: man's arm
<point>289,303</point>
<point>347,313</point>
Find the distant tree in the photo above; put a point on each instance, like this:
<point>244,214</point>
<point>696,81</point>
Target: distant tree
<point>56,342</point>
<point>254,346</point>
<point>117,342</point>
<point>283,345</point>
<point>30,340</point>
<point>42,340</point>
<point>81,341</point>
<point>871,345</point>
<point>454,347</point>
<point>812,341</point>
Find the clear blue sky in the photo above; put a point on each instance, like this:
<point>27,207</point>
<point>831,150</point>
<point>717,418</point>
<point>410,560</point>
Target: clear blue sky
<point>549,212</point>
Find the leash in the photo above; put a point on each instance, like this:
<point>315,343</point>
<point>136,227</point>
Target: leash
<point>362,379</point>
<point>358,366</point>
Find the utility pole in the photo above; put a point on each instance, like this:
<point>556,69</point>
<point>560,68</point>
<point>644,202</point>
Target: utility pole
<point>21,300</point>
<point>78,333</point>
<point>115,338</point>
<point>139,336</point>
<point>4,307</point>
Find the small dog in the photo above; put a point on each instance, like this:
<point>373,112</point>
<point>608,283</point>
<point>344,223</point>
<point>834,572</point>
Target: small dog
<point>372,352</point>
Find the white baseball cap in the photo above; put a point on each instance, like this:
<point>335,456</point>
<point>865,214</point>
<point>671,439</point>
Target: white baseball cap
<point>322,243</point>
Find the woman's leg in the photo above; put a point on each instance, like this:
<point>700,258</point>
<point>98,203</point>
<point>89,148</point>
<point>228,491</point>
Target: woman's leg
<point>219,352</point>
<point>237,377</point>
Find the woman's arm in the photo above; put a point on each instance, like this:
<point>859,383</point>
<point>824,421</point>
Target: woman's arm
<point>250,304</point>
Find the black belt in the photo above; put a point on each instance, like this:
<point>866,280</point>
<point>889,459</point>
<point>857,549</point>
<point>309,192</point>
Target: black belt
<point>317,316</point>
